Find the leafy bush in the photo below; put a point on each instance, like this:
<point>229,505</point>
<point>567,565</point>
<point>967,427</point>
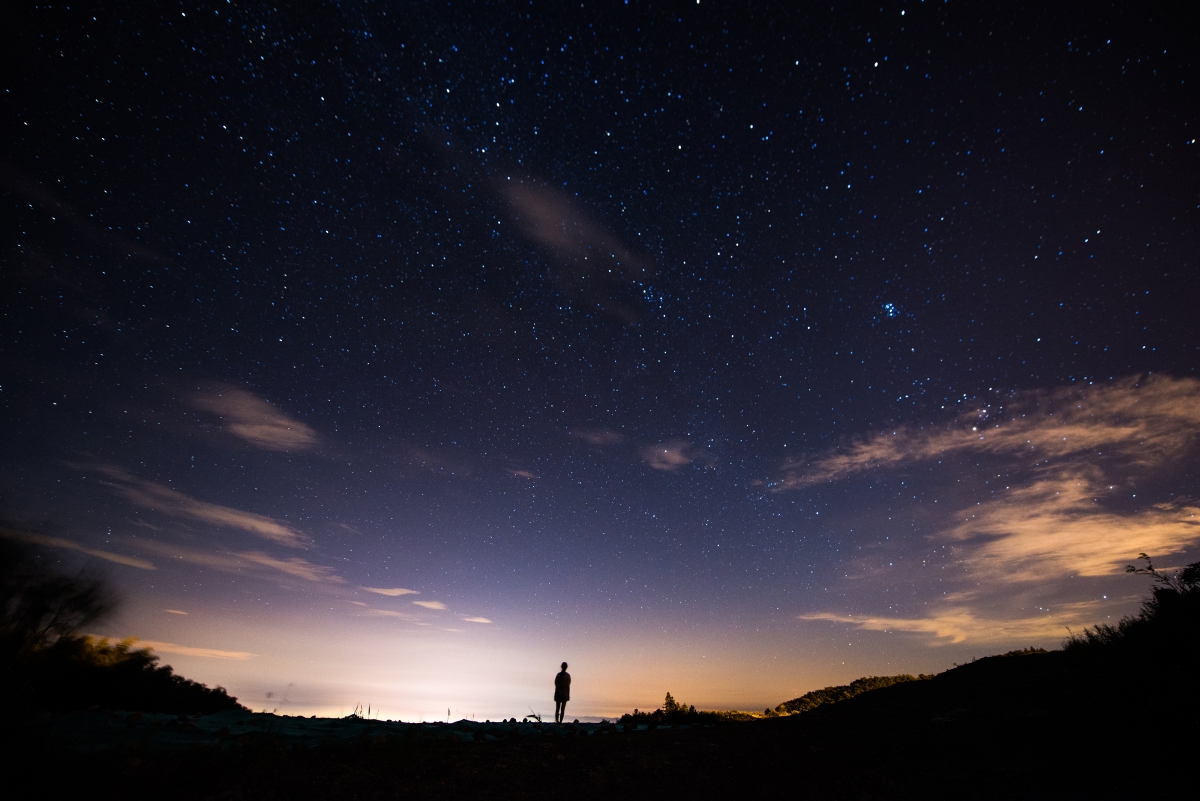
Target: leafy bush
<point>78,672</point>
<point>1169,619</point>
<point>45,664</point>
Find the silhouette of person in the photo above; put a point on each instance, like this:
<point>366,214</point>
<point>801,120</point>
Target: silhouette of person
<point>562,693</point>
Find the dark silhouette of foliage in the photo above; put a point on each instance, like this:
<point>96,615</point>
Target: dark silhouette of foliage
<point>670,705</point>
<point>672,713</point>
<point>831,695</point>
<point>78,672</point>
<point>46,664</point>
<point>38,608</point>
<point>1169,619</point>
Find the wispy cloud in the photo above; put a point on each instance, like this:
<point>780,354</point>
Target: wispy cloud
<point>243,561</point>
<point>1063,510</point>
<point>391,592</point>
<point>256,421</point>
<point>476,620</point>
<point>1144,420</point>
<point>1056,516</point>
<point>430,604</point>
<point>388,613</point>
<point>670,455</point>
<point>589,261</point>
<point>521,473</point>
<point>187,650</point>
<point>295,567</point>
<point>173,503</point>
<point>597,436</point>
<point>175,611</point>
<point>1058,526</point>
<point>59,542</point>
<point>958,624</point>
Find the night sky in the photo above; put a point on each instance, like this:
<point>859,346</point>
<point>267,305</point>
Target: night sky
<point>392,353</point>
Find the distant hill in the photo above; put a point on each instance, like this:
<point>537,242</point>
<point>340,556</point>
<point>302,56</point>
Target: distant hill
<point>1124,670</point>
<point>1156,651</point>
<point>842,692</point>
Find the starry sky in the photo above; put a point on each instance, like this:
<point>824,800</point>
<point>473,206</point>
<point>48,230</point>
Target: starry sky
<point>392,353</point>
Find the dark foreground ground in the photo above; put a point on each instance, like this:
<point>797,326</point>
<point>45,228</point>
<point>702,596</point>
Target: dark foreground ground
<point>1029,726</point>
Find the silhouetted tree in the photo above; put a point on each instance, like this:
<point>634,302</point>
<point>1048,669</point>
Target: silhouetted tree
<point>38,607</point>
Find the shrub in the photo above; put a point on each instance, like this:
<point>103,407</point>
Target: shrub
<point>1169,619</point>
<point>45,664</point>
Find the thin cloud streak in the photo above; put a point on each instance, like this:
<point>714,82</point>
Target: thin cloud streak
<point>1146,420</point>
<point>173,503</point>
<point>431,604</point>
<point>59,542</point>
<point>240,562</point>
<point>476,620</point>
<point>188,650</point>
<point>391,592</point>
<point>256,421</point>
<point>958,624</point>
<point>295,567</point>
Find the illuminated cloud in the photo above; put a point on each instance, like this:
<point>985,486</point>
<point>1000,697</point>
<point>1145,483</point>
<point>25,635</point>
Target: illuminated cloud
<point>1057,526</point>
<point>670,455</point>
<point>175,504</point>
<point>1146,421</point>
<point>476,620</point>
<point>958,624</point>
<point>391,592</point>
<point>59,542</point>
<point>240,562</point>
<point>430,604</point>
<point>597,436</point>
<point>521,473</point>
<point>1064,508</point>
<point>175,611</point>
<point>254,420</point>
<point>187,650</point>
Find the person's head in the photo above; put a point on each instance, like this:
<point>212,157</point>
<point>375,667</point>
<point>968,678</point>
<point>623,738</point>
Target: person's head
<point>564,665</point>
